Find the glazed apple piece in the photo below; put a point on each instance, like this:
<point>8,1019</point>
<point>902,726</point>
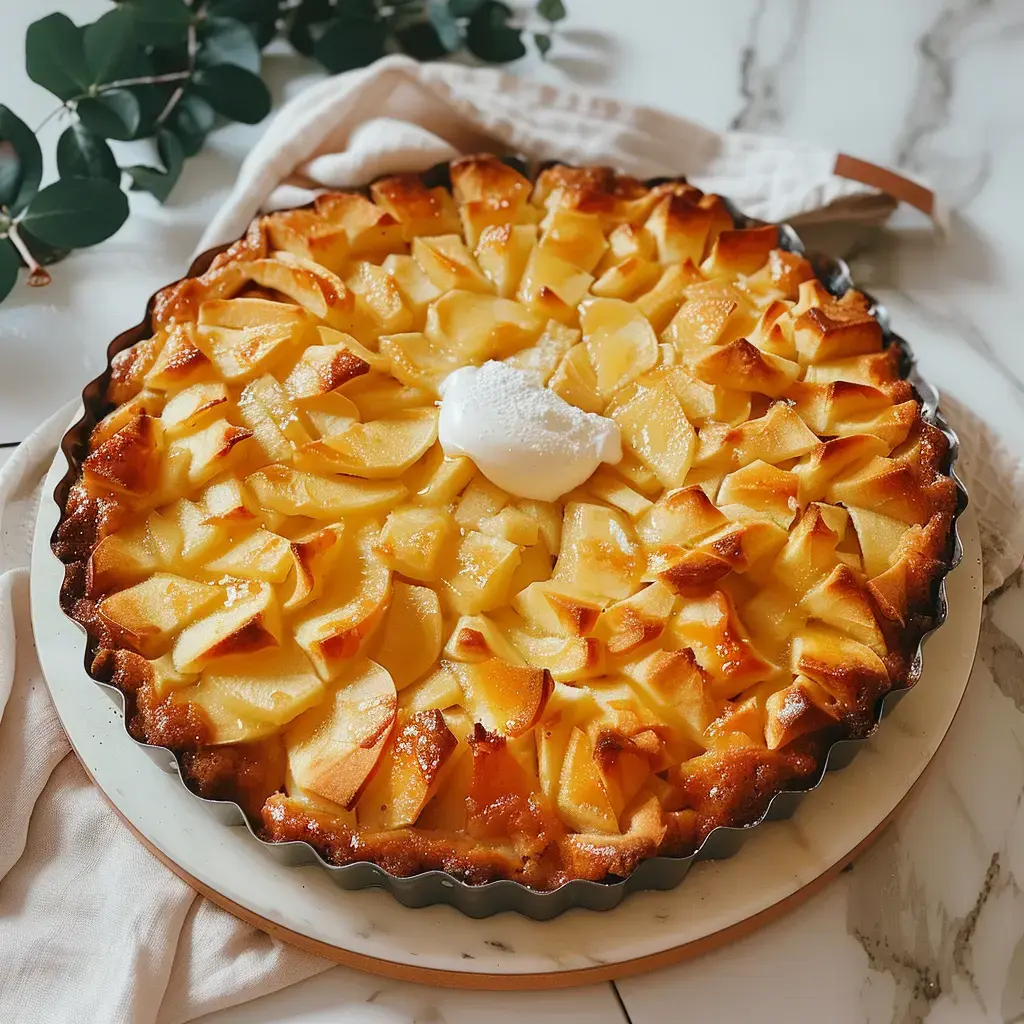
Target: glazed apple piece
<point>418,291</point>
<point>378,294</point>
<point>326,367</point>
<point>556,607</point>
<point>294,493</point>
<point>418,361</point>
<point>543,358</point>
<point>410,635</point>
<point>440,689</point>
<point>268,412</point>
<point>335,746</point>
<point>475,327</point>
<point>150,614</point>
<point>449,264</point>
<point>583,801</point>
<point>599,553</point>
<point>656,429</point>
<point>620,342</point>
<point>261,555</point>
<point>311,285</point>
<point>275,687</point>
<point>552,287</point>
<point>484,567</point>
<point>379,449</point>
<point>566,708</point>
<point>249,623</point>
<point>121,559</point>
<point>333,630</point>
<point>414,539</point>
<point>209,451</point>
<point>506,699</point>
<point>502,253</point>
<point>575,381</point>
<point>194,407</point>
<point>412,769</point>
<point>478,638</point>
<point>331,414</point>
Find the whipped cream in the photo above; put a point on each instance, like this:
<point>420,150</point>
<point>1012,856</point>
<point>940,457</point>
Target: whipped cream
<point>522,436</point>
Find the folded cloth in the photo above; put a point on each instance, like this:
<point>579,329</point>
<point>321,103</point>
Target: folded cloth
<point>92,927</point>
<point>397,115</point>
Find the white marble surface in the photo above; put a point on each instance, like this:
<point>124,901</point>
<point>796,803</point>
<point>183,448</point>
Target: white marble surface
<point>929,925</point>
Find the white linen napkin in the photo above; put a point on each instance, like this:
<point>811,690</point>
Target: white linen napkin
<point>92,927</point>
<point>397,115</point>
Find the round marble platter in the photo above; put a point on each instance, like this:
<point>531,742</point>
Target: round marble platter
<point>780,865</point>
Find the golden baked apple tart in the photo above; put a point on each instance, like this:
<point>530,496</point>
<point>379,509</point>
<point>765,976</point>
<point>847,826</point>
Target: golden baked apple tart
<point>515,528</point>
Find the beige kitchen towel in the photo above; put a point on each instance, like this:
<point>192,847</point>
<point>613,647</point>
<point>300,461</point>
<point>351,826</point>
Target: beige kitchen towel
<point>397,115</point>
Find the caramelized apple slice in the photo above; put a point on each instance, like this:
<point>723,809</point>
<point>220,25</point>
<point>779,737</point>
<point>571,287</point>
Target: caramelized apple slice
<point>655,427</point>
<point>249,623</point>
<point>275,687</point>
<point>506,699</point>
<point>410,772</point>
<point>599,552</point>
<point>380,448</point>
<point>293,493</point>
<point>335,746</point>
<point>413,541</point>
<point>150,614</point>
<point>410,635</point>
<point>583,800</point>
<point>620,342</point>
<point>335,628</point>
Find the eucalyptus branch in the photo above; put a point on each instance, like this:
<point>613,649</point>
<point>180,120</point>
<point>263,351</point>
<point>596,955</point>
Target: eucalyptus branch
<point>180,91</point>
<point>49,117</point>
<point>37,274</point>
<point>220,43</point>
<point>123,83</point>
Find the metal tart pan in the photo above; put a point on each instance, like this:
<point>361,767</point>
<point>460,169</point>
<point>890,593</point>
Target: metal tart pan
<point>656,873</point>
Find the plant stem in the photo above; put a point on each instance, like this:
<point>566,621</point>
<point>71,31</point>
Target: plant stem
<point>180,91</point>
<point>171,76</point>
<point>49,117</point>
<point>37,275</point>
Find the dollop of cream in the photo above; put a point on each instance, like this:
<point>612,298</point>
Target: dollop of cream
<point>522,436</point>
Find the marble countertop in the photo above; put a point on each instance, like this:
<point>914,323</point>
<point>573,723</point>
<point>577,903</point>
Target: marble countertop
<point>929,924</point>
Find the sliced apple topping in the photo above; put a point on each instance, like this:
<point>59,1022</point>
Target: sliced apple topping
<point>410,635</point>
<point>620,342</point>
<point>334,628</point>
<point>335,746</point>
<point>150,614</point>
<point>295,493</point>
<point>506,699</point>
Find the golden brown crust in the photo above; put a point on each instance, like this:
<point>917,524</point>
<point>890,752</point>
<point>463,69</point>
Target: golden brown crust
<point>812,469</point>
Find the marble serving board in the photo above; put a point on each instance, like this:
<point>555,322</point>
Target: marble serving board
<point>371,930</point>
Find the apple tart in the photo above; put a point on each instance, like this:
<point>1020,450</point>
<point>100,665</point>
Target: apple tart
<point>372,647</point>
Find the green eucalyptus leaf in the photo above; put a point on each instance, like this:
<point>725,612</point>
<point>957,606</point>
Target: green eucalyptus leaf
<point>10,264</point>
<point>350,41</point>
<point>160,22</point>
<point>551,10</point>
<point>81,154</point>
<point>543,43</point>
<point>260,15</point>
<point>226,41</point>
<point>305,25</point>
<point>44,254</point>
<point>112,49</point>
<point>113,115</point>
<point>192,120</point>
<point>421,40</point>
<point>234,92</point>
<point>160,183</point>
<point>21,162</point>
<point>490,37</point>
<point>444,23</point>
<point>463,8</point>
<point>55,56</point>
<point>73,213</point>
